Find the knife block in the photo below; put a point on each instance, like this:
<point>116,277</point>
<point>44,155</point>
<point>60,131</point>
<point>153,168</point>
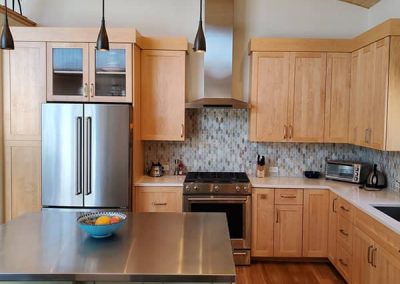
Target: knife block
<point>260,171</point>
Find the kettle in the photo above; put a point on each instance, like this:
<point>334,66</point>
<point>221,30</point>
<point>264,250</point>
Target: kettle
<point>156,170</point>
<point>376,180</point>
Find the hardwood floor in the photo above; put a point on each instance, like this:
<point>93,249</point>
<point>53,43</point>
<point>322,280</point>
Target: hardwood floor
<point>287,273</point>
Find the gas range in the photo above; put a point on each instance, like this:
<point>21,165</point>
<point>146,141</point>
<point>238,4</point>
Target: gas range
<point>216,183</point>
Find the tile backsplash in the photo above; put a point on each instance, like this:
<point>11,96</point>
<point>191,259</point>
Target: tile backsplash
<point>216,140</point>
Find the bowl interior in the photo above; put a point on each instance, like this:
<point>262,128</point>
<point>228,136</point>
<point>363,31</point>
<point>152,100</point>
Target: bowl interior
<point>90,218</point>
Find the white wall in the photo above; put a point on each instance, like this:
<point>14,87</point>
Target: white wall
<point>383,10</point>
<point>254,18</point>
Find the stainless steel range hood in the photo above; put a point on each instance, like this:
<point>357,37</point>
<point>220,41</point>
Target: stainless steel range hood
<point>218,58</point>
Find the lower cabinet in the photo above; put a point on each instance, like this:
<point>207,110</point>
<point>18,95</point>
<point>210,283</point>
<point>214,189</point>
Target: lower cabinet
<point>288,230</point>
<point>333,216</point>
<point>363,247</point>
<point>158,199</point>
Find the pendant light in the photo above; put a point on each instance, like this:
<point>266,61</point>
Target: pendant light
<point>6,40</point>
<point>200,40</point>
<point>102,40</point>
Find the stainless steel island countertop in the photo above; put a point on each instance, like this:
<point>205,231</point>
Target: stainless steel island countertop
<point>156,247</point>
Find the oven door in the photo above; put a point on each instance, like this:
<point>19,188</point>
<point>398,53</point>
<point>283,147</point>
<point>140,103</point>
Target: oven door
<point>238,214</point>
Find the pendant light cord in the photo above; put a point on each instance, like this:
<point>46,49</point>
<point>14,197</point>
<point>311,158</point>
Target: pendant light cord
<point>103,11</point>
<point>6,11</point>
<point>201,10</point>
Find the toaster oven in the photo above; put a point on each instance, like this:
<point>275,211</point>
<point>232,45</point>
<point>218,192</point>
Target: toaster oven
<point>348,171</point>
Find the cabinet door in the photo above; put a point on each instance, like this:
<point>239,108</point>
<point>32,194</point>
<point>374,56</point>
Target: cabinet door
<point>315,226</point>
<point>158,199</point>
<point>67,72</point>
<point>362,255</point>
<point>163,95</point>
<point>262,223</point>
<point>356,113</point>
<point>269,96</point>
<point>111,74</point>
<point>24,90</point>
<point>307,96</point>
<point>22,178</point>
<point>333,219</point>
<point>288,230</point>
<point>378,102</point>
<point>386,267</point>
<point>337,97</point>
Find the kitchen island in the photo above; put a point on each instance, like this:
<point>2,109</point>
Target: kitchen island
<point>150,247</point>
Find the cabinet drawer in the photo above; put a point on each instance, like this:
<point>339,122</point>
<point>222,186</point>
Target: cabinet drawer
<point>345,232</point>
<point>153,199</point>
<point>289,196</point>
<point>344,262</point>
<point>345,209</point>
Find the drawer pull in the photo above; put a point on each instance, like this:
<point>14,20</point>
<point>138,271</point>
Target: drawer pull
<point>373,254</point>
<point>334,205</point>
<point>344,208</point>
<point>160,203</point>
<point>277,216</point>
<point>342,262</point>
<point>369,254</point>
<point>343,232</point>
<point>288,196</point>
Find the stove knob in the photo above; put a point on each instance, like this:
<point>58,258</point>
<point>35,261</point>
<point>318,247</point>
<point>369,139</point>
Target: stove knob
<point>245,189</point>
<point>216,188</point>
<point>238,188</point>
<point>196,188</point>
<point>187,188</point>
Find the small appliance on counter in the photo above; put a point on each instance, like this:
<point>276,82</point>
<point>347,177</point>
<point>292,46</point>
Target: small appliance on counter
<point>376,180</point>
<point>156,170</point>
<point>348,171</point>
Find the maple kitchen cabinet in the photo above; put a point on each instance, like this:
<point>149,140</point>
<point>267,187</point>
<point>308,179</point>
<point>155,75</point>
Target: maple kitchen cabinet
<point>333,216</point>
<point>287,96</point>
<point>163,95</point>
<point>262,222</point>
<point>315,223</point>
<point>24,91</point>
<point>158,199</point>
<point>78,72</point>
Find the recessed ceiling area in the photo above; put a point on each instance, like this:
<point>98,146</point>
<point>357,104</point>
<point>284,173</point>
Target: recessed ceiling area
<point>363,3</point>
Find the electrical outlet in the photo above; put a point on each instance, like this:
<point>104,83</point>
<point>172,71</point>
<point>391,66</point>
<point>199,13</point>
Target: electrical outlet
<point>166,167</point>
<point>273,171</point>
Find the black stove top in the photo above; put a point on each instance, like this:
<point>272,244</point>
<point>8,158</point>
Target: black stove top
<point>217,177</point>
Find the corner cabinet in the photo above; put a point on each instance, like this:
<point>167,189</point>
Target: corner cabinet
<point>163,95</point>
<point>77,72</point>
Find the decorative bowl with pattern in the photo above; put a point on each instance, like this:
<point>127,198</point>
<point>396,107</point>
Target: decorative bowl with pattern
<point>87,223</point>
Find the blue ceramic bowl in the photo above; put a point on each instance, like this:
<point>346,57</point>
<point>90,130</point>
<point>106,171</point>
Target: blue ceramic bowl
<point>86,223</point>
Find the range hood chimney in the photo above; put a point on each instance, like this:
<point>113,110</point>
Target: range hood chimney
<point>218,58</point>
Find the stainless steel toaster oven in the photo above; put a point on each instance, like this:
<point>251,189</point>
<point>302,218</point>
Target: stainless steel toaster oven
<point>349,171</point>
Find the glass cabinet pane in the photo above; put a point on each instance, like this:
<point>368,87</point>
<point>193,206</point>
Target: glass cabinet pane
<point>68,72</point>
<point>111,73</point>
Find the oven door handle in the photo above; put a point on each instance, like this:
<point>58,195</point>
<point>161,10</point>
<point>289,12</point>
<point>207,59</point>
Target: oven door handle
<point>217,199</point>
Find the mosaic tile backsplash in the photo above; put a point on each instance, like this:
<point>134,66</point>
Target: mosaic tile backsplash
<point>216,140</point>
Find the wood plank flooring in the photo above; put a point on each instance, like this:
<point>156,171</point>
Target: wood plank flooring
<point>287,273</point>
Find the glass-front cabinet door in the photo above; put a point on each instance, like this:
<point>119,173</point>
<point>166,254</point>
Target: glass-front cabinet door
<point>111,73</point>
<point>67,72</point>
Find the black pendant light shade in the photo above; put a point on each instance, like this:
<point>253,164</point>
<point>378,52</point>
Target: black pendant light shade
<point>102,39</point>
<point>199,44</point>
<point>6,40</point>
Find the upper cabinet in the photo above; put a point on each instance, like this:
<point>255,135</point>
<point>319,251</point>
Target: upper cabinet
<point>287,96</point>
<point>78,72</point>
<point>163,95</point>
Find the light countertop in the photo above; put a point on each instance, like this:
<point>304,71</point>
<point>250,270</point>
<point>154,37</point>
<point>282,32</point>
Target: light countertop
<point>150,247</point>
<point>359,198</point>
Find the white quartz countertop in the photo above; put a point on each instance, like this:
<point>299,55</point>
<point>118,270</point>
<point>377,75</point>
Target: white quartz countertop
<point>359,198</point>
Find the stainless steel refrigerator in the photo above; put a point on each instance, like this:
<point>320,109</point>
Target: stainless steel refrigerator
<point>86,154</point>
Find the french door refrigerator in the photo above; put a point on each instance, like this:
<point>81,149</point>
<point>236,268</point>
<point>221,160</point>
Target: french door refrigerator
<point>86,156</point>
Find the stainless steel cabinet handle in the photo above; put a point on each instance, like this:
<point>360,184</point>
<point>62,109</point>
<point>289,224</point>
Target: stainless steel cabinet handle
<point>85,90</point>
<point>344,208</point>
<point>285,132</point>
<point>290,131</point>
<point>334,205</point>
<point>240,253</point>
<point>288,196</point>
<point>182,130</point>
<point>277,216</point>
<point>373,255</point>
<point>89,155</point>
<point>369,254</point>
<point>342,262</point>
<point>343,232</point>
<point>160,203</point>
<point>91,90</point>
<point>79,155</point>
<point>228,199</point>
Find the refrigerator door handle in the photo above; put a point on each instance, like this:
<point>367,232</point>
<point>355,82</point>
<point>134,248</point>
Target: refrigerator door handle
<point>79,155</point>
<point>89,155</point>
